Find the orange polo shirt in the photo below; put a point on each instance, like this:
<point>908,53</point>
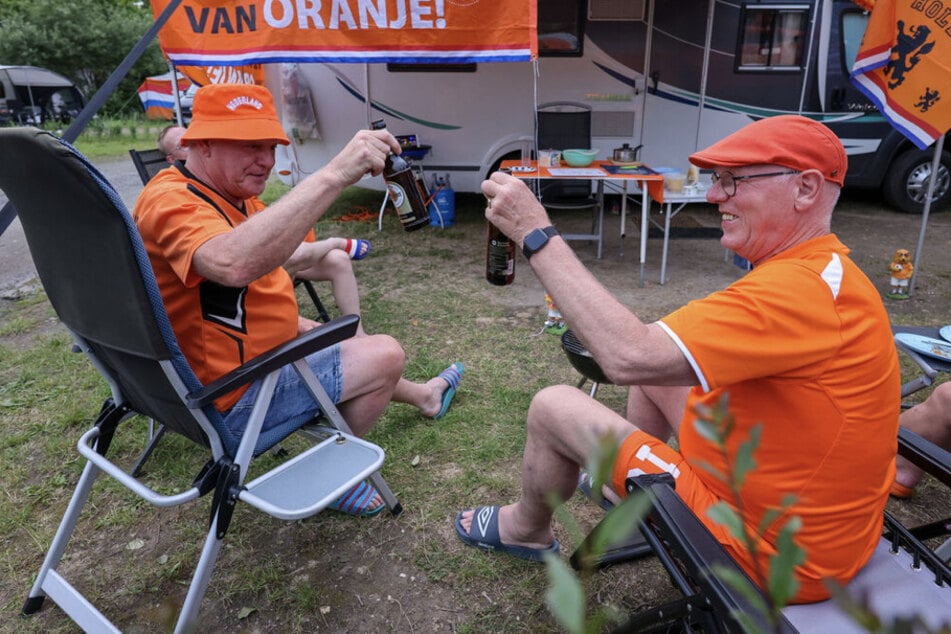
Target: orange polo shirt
<point>803,345</point>
<point>218,327</point>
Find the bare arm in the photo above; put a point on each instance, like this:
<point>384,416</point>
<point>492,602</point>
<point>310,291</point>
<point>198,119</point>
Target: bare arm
<point>628,350</point>
<point>267,239</point>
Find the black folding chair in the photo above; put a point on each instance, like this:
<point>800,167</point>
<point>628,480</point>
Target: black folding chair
<point>904,580</point>
<point>148,163</point>
<point>97,276</point>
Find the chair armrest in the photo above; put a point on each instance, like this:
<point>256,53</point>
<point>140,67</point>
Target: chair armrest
<point>319,338</point>
<point>925,454</point>
<point>688,550</point>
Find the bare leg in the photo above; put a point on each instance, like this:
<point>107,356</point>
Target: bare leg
<point>564,426</point>
<point>657,409</point>
<point>426,397</point>
<point>372,366</point>
<point>325,260</point>
<point>932,421</point>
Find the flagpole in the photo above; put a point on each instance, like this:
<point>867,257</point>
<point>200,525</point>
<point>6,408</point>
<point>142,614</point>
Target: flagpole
<point>935,165</point>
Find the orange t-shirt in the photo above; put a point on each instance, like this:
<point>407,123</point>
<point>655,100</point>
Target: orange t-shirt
<point>803,345</point>
<point>218,327</point>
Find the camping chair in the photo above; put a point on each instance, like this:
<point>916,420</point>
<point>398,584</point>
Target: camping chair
<point>902,580</point>
<point>148,163</point>
<point>97,276</point>
<point>564,125</point>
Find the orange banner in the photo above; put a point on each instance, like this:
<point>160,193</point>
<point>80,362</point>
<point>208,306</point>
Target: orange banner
<point>904,67</point>
<point>227,33</point>
<point>204,75</point>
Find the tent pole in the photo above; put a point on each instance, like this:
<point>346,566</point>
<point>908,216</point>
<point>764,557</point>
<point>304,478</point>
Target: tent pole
<point>704,73</point>
<point>935,164</point>
<point>647,65</point>
<point>178,96</point>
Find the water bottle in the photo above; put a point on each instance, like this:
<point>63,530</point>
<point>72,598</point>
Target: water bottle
<point>499,257</point>
<point>403,189</point>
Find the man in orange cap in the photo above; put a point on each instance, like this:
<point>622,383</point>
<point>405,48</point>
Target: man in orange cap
<point>801,344</point>
<point>218,255</point>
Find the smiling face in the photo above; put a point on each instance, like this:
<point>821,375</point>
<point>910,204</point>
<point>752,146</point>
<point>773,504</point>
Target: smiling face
<point>760,219</point>
<point>236,169</point>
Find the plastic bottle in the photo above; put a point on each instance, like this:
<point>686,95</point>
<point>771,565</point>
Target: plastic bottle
<point>403,189</point>
<point>499,257</point>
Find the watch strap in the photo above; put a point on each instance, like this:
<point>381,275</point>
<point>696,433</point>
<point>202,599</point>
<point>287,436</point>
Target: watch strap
<point>549,232</point>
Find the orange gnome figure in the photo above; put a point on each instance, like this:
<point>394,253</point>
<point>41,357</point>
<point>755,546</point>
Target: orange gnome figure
<point>901,269</point>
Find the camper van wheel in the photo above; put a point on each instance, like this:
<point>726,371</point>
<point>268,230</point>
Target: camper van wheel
<point>906,183</point>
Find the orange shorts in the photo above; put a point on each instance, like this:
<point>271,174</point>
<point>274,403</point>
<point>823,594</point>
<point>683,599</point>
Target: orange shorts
<point>640,453</point>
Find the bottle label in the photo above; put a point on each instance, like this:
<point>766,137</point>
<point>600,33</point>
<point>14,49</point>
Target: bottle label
<point>499,261</point>
<point>401,201</point>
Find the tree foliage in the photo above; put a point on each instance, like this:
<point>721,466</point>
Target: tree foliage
<point>85,41</point>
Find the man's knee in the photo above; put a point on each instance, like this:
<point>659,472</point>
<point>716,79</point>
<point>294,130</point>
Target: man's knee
<point>337,261</point>
<point>548,404</point>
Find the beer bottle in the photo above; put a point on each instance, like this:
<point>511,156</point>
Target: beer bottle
<point>403,189</point>
<point>499,257</point>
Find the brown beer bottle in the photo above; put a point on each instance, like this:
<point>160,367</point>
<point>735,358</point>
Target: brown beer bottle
<point>403,189</point>
<point>499,257</point>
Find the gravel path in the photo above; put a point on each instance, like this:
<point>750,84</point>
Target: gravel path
<point>17,274</point>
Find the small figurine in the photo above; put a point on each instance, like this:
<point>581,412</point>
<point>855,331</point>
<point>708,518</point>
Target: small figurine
<point>901,269</point>
<point>555,323</point>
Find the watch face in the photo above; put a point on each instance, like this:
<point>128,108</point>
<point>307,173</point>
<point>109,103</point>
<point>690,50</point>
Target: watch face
<point>535,240</point>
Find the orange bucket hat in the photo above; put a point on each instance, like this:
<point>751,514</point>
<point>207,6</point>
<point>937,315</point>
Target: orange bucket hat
<point>792,141</point>
<point>234,112</point>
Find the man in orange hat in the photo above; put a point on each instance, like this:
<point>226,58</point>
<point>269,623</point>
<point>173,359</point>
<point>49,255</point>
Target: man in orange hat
<point>801,344</point>
<point>218,255</point>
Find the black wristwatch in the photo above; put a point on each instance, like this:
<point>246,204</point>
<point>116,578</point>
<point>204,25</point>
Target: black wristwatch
<point>536,240</point>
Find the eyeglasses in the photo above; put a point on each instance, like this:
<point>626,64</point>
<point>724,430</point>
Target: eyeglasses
<point>728,181</point>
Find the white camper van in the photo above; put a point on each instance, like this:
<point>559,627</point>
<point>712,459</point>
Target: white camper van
<point>670,76</point>
<point>30,95</point>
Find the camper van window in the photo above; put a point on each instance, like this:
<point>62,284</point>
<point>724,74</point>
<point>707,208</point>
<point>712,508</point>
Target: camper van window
<point>561,28</point>
<point>772,38</point>
<point>853,29</point>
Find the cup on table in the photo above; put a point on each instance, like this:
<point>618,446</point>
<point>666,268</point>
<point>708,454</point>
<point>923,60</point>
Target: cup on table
<point>674,182</point>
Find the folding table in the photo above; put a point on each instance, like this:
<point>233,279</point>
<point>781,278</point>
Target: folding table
<point>599,171</point>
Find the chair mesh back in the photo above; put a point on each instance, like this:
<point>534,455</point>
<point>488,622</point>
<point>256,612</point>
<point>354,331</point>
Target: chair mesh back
<point>96,272</point>
<point>562,126</point>
<point>148,163</point>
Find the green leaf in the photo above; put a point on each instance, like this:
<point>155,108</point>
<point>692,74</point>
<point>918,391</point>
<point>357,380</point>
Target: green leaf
<point>744,456</point>
<point>708,431</point>
<point>742,584</point>
<point>564,597</point>
<point>709,468</point>
<point>723,514</point>
<point>245,612</point>
<point>782,583</point>
<point>621,523</point>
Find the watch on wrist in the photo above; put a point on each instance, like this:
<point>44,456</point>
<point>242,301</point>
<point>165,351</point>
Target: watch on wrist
<point>536,240</point>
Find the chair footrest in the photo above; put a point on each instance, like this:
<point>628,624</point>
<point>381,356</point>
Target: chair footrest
<point>311,481</point>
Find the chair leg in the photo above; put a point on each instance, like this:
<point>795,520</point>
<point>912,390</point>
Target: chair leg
<point>321,311</point>
<point>67,596</point>
<point>149,448</point>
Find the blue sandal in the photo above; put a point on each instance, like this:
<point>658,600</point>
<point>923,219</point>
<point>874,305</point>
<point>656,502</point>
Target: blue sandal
<point>357,500</point>
<point>452,375</point>
<point>357,249</point>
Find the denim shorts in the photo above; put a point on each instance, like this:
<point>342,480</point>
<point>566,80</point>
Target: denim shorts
<point>292,405</point>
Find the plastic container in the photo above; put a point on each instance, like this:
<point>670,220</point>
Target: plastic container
<point>443,205</point>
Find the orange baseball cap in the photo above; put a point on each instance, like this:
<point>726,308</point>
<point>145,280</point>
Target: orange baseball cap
<point>234,112</point>
<point>792,141</point>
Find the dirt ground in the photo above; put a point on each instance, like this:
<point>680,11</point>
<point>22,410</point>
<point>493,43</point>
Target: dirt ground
<point>372,569</point>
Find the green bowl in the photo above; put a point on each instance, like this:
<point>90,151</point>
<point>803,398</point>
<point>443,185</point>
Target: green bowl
<point>579,158</point>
